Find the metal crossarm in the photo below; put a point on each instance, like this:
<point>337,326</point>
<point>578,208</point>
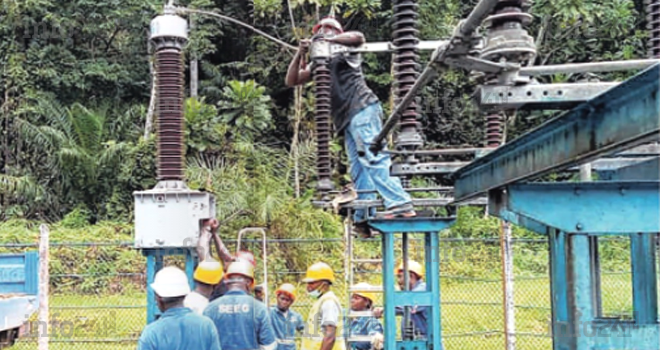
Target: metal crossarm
<point>624,116</point>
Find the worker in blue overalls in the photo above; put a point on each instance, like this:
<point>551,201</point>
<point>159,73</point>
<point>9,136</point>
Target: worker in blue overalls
<point>242,321</point>
<point>286,322</point>
<point>418,314</point>
<point>178,328</point>
<point>362,300</point>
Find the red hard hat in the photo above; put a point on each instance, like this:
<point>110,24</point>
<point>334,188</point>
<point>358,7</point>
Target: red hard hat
<point>328,21</point>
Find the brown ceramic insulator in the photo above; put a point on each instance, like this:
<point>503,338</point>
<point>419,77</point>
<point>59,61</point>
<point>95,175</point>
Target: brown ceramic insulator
<point>169,114</point>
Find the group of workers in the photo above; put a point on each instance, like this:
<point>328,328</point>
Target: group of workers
<point>237,320</point>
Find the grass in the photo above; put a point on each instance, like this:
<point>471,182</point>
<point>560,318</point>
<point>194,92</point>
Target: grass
<point>472,315</point>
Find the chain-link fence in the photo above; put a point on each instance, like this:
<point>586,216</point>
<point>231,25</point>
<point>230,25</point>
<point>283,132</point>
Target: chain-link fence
<point>98,290</point>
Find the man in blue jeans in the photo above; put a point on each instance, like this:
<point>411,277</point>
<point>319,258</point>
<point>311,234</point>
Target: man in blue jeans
<point>357,114</point>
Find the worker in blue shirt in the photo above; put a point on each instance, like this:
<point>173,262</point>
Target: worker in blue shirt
<point>418,314</point>
<point>242,321</point>
<point>286,322</point>
<point>362,300</point>
<point>178,328</point>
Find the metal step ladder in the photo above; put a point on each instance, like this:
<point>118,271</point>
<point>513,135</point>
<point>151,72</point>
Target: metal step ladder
<point>351,268</point>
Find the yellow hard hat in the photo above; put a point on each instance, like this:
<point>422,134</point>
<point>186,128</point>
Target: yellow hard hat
<point>241,267</point>
<point>413,266</point>
<point>364,290</point>
<point>287,289</point>
<point>209,271</point>
<point>319,271</point>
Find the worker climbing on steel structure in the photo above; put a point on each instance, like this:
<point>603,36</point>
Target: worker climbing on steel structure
<point>241,320</point>
<point>178,327</point>
<point>207,275</point>
<point>325,324</point>
<point>419,314</point>
<point>286,322</point>
<point>357,115</point>
<point>363,300</point>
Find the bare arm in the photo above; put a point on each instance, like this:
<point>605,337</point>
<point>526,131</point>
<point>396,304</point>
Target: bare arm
<point>352,39</point>
<point>328,337</point>
<point>298,72</point>
<point>222,250</point>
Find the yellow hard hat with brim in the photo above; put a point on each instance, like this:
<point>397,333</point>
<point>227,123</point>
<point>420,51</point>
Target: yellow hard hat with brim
<point>209,271</point>
<point>318,272</point>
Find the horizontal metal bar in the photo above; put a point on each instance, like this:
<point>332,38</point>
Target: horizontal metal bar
<point>413,298</point>
<point>605,164</point>
<point>426,168</point>
<point>374,289</point>
<point>98,307</point>
<point>595,207</point>
<point>588,67</point>
<point>367,261</point>
<point>442,152</point>
<point>389,47</point>
<point>358,204</point>
<point>541,96</point>
<point>625,116</point>
<point>644,170</point>
<point>411,225</point>
<point>409,190</point>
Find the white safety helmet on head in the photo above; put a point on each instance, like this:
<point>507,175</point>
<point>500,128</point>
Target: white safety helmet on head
<point>328,21</point>
<point>171,282</point>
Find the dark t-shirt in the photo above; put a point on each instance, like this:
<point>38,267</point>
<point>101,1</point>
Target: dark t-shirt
<point>350,92</point>
<point>219,290</point>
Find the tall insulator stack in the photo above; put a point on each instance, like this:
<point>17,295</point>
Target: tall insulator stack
<point>322,95</point>
<point>653,25</point>
<point>406,71</point>
<point>169,35</point>
<point>507,40</point>
<point>494,129</point>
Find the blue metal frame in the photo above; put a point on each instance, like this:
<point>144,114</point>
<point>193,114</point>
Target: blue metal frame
<point>594,207</point>
<point>573,215</point>
<point>577,323</point>
<point>155,264</point>
<point>624,116</point>
<point>19,273</point>
<point>644,170</point>
<point>430,228</point>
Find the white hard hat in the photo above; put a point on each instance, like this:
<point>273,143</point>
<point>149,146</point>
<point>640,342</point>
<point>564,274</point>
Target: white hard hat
<point>171,282</point>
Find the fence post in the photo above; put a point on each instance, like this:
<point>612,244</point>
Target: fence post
<point>507,286</point>
<point>44,281</point>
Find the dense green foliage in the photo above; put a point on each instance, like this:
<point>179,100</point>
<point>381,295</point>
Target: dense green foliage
<point>76,82</point>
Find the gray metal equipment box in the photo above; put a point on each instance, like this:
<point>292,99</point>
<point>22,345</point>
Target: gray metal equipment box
<point>166,218</point>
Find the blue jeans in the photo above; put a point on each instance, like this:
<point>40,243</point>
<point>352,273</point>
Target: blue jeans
<point>371,172</point>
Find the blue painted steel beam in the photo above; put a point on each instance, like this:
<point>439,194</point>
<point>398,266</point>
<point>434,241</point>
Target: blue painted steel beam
<point>388,288</point>
<point>622,117</point>
<point>645,288</point>
<point>411,225</point>
<point>645,170</point>
<point>412,345</point>
<point>498,210</point>
<point>559,289</point>
<point>591,207</point>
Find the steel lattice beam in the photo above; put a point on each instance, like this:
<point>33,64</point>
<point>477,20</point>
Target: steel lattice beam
<point>624,116</point>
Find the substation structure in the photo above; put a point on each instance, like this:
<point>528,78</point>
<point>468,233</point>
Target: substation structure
<point>613,127</point>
